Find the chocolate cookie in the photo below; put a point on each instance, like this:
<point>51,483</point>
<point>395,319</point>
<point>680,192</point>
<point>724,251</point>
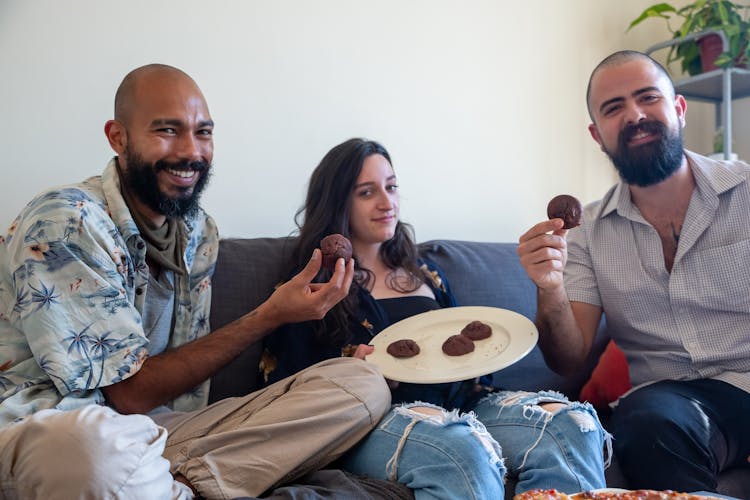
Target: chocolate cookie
<point>567,208</point>
<point>335,246</point>
<point>404,348</point>
<point>458,345</point>
<point>476,330</point>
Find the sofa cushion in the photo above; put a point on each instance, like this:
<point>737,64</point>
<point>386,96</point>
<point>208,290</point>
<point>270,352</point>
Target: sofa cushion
<point>247,270</point>
<point>484,274</point>
<point>609,380</point>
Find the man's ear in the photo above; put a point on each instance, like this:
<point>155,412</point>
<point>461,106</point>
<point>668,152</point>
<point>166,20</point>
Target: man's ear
<point>595,135</point>
<point>681,107</point>
<point>116,135</point>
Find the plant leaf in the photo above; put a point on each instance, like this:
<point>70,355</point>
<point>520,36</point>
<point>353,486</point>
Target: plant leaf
<point>724,61</point>
<point>723,14</point>
<point>657,10</point>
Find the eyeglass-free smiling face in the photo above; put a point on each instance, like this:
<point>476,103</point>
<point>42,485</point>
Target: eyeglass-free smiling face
<point>374,203</point>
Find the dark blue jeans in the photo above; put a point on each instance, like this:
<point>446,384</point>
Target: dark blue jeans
<point>680,434</point>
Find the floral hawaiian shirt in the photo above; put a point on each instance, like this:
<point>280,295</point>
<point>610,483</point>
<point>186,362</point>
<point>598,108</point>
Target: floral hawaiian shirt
<point>73,281</point>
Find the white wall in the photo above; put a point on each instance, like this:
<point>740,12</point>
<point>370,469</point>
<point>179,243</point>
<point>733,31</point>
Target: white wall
<point>480,103</point>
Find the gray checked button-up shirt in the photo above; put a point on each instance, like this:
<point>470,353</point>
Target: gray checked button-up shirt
<point>691,323</point>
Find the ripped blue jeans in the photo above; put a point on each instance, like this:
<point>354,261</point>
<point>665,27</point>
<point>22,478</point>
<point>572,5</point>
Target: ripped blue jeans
<point>441,455</point>
<point>447,455</point>
<point>565,448</point>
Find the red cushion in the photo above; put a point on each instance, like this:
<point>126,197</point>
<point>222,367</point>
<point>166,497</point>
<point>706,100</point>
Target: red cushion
<point>609,380</point>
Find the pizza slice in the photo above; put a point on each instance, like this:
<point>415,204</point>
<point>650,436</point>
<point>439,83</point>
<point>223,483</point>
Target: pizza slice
<point>609,494</point>
<point>550,494</point>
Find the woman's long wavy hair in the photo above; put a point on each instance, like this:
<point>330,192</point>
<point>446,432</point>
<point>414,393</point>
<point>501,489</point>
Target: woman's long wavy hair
<point>327,211</point>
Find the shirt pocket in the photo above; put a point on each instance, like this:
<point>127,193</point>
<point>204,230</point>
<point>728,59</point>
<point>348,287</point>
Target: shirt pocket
<point>723,275</point>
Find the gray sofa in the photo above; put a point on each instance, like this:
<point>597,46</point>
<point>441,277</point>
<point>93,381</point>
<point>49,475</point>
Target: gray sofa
<point>487,274</point>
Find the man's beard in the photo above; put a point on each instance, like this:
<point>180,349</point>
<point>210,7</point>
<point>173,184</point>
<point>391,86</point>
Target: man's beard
<point>650,163</point>
<point>142,182</point>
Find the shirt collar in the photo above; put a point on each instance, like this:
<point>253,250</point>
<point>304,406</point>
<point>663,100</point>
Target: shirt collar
<point>118,209</point>
<point>712,178</point>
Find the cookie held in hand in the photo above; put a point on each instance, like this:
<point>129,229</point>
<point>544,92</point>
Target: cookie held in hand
<point>333,247</point>
<point>567,208</point>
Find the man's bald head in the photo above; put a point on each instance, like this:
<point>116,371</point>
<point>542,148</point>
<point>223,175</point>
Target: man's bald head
<point>148,74</point>
<point>623,57</point>
<point>163,136</point>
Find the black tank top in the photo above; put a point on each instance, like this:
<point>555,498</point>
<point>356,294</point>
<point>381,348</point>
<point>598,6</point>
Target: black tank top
<point>398,308</point>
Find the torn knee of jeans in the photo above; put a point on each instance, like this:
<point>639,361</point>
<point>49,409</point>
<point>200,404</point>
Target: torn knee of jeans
<point>586,421</point>
<point>439,416</point>
<point>545,410</point>
<point>536,413</point>
<point>428,412</point>
<point>510,398</point>
<point>580,413</point>
<point>552,407</point>
<point>525,399</point>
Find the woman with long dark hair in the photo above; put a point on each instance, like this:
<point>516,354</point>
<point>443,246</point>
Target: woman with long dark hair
<point>426,442</point>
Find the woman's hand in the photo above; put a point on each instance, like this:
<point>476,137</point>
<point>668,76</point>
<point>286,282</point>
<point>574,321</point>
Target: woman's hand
<point>363,350</point>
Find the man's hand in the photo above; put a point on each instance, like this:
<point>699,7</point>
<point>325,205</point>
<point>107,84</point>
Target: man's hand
<point>566,330</point>
<point>176,371</point>
<point>300,300</point>
<point>543,252</point>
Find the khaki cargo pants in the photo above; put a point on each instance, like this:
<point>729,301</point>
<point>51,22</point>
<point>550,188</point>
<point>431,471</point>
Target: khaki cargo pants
<point>235,447</point>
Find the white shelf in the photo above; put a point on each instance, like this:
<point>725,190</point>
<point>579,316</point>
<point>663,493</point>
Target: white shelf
<point>708,86</point>
<point>720,86</point>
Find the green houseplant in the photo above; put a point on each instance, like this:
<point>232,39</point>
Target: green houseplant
<point>702,15</point>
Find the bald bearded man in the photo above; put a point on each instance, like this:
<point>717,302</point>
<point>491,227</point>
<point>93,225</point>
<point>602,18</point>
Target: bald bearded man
<point>105,348</point>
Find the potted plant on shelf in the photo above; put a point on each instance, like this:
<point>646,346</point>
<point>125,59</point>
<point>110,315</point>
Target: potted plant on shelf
<point>706,53</point>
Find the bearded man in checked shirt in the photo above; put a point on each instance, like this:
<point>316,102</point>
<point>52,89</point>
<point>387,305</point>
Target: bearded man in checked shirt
<point>664,256</point>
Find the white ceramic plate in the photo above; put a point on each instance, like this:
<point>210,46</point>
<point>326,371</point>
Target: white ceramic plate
<point>513,336</point>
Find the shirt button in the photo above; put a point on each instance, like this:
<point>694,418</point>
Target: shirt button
<point>139,291</point>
